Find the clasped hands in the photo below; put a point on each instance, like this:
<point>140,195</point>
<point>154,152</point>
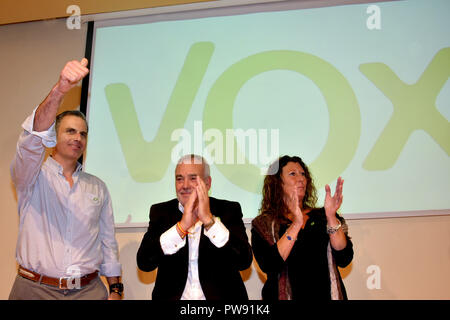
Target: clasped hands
<point>197,207</point>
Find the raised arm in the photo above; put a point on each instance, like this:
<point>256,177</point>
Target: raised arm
<point>30,151</point>
<point>70,75</point>
<point>286,242</point>
<point>332,204</point>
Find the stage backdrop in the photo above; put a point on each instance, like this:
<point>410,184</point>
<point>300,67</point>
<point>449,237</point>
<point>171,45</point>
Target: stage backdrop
<point>358,91</point>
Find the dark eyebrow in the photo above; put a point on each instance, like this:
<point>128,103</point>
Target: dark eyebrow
<point>73,129</point>
<point>192,175</point>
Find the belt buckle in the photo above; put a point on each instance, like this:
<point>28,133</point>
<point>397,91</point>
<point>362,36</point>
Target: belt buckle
<point>71,283</point>
<point>60,285</point>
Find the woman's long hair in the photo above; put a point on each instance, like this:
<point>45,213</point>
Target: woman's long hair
<point>273,195</point>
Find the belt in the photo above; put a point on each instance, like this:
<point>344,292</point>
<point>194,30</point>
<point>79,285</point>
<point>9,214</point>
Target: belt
<point>61,283</point>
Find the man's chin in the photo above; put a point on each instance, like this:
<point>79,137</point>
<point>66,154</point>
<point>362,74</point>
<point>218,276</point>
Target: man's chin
<point>76,156</point>
<point>73,156</point>
<point>182,199</point>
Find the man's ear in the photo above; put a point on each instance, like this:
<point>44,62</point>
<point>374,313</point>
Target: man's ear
<point>208,183</point>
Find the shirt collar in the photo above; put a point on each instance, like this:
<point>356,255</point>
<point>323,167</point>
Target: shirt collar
<point>56,167</point>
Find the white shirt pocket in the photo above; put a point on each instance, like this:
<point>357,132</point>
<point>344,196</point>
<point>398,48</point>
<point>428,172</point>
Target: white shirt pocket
<point>91,205</point>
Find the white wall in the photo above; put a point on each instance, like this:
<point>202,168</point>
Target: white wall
<point>413,254</point>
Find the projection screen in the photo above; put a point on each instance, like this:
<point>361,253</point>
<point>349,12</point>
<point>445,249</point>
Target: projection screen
<point>359,91</point>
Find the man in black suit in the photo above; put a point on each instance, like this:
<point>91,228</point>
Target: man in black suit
<point>197,242</point>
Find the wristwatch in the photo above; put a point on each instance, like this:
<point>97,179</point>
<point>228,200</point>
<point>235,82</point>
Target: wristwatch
<point>116,287</point>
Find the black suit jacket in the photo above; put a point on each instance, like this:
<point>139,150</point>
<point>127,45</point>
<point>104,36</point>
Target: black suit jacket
<point>218,268</point>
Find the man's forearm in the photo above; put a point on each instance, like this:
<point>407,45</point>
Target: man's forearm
<point>112,280</point>
<point>115,293</point>
<point>46,112</point>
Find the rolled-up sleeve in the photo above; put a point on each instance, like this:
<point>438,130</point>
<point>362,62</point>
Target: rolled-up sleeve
<point>110,266</point>
<point>266,255</point>
<point>48,137</point>
<point>345,256</point>
<point>30,154</point>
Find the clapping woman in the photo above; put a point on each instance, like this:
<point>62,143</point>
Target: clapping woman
<point>298,245</point>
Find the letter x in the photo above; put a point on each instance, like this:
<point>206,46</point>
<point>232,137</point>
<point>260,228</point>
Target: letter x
<point>414,109</point>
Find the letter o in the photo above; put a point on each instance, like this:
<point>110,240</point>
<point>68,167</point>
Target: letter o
<point>345,118</point>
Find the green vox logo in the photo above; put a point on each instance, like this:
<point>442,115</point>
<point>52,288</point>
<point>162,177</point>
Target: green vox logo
<point>345,119</point>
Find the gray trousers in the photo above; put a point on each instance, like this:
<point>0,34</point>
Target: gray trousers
<point>24,289</point>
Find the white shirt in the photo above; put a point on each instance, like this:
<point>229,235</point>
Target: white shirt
<point>63,231</point>
<point>171,242</point>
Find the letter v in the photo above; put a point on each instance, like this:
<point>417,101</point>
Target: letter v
<point>148,161</point>
<point>414,109</point>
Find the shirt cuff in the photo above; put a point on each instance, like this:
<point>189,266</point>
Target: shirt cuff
<point>48,137</point>
<point>111,269</point>
<point>171,241</point>
<point>218,234</point>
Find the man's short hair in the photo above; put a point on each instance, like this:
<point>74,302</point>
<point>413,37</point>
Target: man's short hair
<point>75,113</point>
<point>196,159</point>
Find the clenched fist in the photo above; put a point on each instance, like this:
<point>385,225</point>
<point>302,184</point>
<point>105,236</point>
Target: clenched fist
<point>71,74</point>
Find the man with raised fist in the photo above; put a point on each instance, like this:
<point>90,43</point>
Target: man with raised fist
<point>66,225</point>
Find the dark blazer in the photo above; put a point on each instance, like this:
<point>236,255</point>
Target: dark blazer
<point>218,268</point>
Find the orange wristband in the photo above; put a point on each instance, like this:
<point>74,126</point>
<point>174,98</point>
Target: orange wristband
<point>181,229</point>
